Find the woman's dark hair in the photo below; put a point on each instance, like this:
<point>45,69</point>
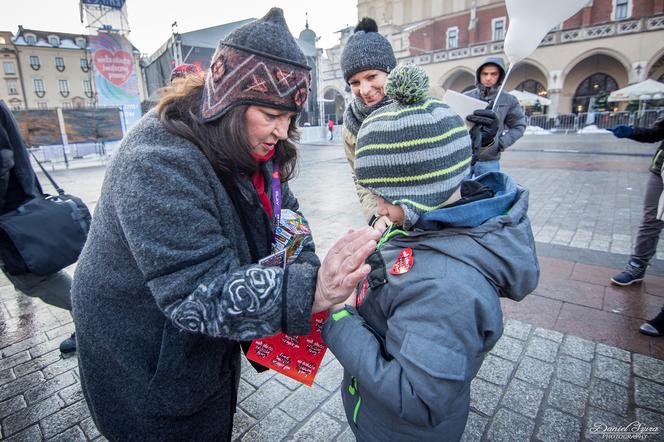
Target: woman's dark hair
<point>224,141</point>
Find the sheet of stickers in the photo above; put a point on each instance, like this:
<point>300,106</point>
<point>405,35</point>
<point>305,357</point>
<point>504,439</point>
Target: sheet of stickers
<point>297,357</point>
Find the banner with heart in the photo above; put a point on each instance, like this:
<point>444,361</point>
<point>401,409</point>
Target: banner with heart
<point>116,80</point>
<point>116,66</point>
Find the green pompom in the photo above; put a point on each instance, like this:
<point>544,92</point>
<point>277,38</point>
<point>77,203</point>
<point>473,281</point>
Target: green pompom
<point>407,84</point>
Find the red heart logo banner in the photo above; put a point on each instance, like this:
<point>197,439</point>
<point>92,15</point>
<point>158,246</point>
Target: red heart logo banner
<point>116,66</point>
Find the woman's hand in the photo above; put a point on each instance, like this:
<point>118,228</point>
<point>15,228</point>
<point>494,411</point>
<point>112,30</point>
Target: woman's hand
<point>343,268</point>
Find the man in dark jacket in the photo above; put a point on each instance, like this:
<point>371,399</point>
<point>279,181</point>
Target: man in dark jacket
<point>511,119</point>
<point>651,226</point>
<point>18,184</point>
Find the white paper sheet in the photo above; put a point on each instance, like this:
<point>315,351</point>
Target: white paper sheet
<point>463,104</point>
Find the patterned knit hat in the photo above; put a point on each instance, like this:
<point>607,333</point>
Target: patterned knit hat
<point>415,151</point>
<point>366,50</point>
<point>258,63</point>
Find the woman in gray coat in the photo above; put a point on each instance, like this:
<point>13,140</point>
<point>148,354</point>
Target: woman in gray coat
<point>168,283</point>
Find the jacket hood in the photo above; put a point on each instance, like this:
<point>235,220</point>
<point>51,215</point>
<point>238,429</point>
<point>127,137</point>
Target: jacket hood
<point>498,61</point>
<point>493,235</point>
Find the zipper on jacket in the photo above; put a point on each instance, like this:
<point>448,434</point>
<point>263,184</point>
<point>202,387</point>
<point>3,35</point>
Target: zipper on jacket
<point>352,389</point>
<point>388,234</point>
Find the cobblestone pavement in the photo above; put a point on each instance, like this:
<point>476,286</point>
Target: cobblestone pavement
<point>542,381</point>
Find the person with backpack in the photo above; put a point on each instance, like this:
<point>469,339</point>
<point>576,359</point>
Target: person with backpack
<point>19,184</point>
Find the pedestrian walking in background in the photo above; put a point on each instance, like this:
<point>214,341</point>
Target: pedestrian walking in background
<point>650,227</point>
<point>19,184</point>
<point>511,119</point>
<point>330,128</point>
<point>168,283</point>
<point>422,322</point>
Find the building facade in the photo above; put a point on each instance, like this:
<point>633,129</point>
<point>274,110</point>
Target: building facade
<point>607,45</point>
<point>11,89</point>
<point>53,70</point>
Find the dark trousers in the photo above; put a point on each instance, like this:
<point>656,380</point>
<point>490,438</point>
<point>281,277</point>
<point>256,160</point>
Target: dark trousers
<point>651,227</point>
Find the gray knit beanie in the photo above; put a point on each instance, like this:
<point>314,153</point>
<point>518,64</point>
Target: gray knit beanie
<point>258,63</point>
<point>366,50</point>
<point>415,151</point>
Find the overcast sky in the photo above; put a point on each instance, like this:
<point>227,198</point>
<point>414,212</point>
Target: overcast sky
<point>150,21</point>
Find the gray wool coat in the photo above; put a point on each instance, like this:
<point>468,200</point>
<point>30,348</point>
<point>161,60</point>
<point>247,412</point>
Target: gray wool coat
<point>165,288</point>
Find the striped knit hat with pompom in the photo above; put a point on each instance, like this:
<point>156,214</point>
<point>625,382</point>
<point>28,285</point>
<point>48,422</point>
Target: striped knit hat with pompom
<point>415,151</point>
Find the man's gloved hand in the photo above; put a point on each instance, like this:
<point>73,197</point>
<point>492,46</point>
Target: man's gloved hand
<point>487,120</point>
<point>622,131</point>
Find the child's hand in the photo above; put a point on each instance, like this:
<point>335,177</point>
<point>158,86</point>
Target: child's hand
<point>350,301</point>
<point>381,223</point>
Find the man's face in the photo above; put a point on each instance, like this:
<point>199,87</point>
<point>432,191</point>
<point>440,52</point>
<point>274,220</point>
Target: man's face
<point>489,75</point>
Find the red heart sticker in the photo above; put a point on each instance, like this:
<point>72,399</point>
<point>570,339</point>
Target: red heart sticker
<point>116,66</point>
<point>363,291</point>
<point>404,262</point>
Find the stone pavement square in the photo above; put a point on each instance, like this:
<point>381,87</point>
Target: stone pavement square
<point>570,359</point>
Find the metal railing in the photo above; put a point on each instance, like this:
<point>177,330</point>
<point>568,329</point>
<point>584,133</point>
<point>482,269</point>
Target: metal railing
<point>603,120</point>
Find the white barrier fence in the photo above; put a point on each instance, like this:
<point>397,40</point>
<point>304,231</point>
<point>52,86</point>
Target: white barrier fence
<point>564,123</point>
<point>603,120</point>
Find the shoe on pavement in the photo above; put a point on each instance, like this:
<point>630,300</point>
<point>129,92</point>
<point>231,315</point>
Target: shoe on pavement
<point>633,273</point>
<point>68,346</point>
<point>654,327</point>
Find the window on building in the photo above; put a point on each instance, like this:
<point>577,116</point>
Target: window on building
<point>498,26</point>
<point>452,37</point>
<point>9,68</point>
<point>54,41</point>
<point>87,88</point>
<point>592,93</point>
<point>80,42</point>
<point>621,9</point>
<point>34,62</point>
<point>85,66</point>
<point>12,87</point>
<point>63,86</point>
<point>30,39</point>
<point>39,87</point>
<point>42,105</point>
<point>60,63</point>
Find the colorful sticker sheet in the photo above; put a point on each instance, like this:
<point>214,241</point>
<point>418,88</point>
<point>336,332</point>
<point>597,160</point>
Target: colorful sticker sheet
<point>297,357</point>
